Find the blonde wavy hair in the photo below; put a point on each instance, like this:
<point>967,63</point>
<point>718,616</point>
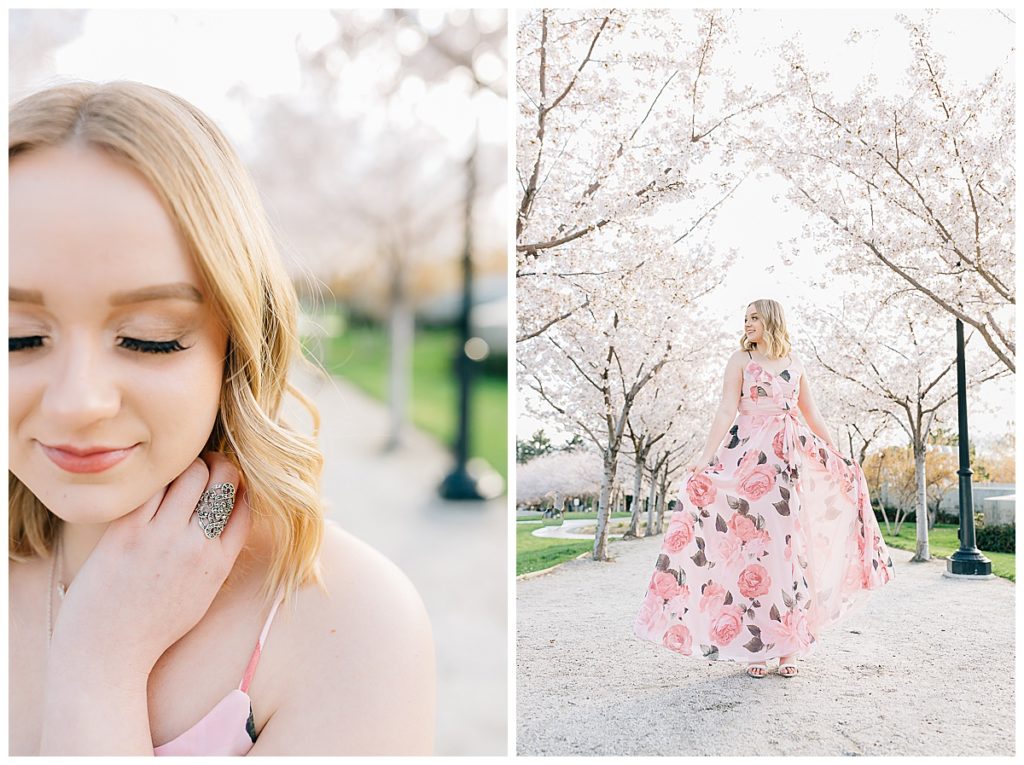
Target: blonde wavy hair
<point>214,203</point>
<point>776,337</point>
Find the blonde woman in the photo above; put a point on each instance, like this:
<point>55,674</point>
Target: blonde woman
<point>173,586</point>
<point>774,538</point>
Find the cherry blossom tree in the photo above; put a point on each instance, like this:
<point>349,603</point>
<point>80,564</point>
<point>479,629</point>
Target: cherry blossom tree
<point>368,178</point>
<point>653,428</point>
<point>568,474</point>
<point>903,359</point>
<point>619,112</point>
<point>592,367</point>
<point>916,189</point>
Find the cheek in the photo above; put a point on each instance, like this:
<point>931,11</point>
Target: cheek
<point>181,405</point>
<point>19,394</point>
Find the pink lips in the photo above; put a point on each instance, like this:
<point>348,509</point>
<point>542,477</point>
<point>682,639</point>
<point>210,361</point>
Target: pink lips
<point>87,460</point>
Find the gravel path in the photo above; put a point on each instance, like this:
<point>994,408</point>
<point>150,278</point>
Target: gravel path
<point>926,667</point>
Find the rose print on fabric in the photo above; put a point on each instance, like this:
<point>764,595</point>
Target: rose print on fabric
<point>754,580</point>
<point>677,638</point>
<point>742,526</point>
<point>701,490</point>
<point>758,483</point>
<point>665,585</point>
<point>680,531</point>
<point>768,547</point>
<point>727,625</point>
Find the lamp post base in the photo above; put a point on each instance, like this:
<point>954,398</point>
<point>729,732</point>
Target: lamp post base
<point>476,483</point>
<point>968,563</point>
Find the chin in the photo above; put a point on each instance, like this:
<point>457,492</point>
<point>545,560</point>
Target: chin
<point>92,503</point>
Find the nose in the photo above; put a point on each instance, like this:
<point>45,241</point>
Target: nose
<point>82,389</point>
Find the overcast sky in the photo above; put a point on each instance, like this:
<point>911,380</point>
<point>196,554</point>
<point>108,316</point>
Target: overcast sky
<point>202,55</point>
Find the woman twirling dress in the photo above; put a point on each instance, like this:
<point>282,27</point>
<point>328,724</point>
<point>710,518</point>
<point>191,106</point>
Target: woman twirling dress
<point>771,544</point>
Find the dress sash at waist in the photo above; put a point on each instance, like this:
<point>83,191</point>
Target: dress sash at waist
<point>790,425</point>
<point>746,406</point>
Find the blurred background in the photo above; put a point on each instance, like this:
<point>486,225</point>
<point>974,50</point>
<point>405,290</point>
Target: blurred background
<point>378,141</point>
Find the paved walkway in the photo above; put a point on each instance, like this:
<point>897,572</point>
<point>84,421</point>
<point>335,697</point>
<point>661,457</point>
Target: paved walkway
<point>566,530</point>
<point>454,552</point>
<point>926,667</point>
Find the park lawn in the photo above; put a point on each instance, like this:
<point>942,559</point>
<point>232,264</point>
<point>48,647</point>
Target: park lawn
<point>360,355</point>
<point>943,542</point>
<point>536,553</point>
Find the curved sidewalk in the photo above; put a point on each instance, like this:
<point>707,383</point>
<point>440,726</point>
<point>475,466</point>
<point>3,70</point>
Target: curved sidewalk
<point>926,667</point>
<point>565,531</point>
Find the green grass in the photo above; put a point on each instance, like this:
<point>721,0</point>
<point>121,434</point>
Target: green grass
<point>943,542</point>
<point>360,355</point>
<point>537,553</point>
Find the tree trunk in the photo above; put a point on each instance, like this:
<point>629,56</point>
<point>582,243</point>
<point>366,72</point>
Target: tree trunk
<point>654,511</point>
<point>401,326</point>
<point>885,515</point>
<point>603,510</point>
<point>634,518</point>
<point>665,499</point>
<point>922,552</point>
<point>651,499</point>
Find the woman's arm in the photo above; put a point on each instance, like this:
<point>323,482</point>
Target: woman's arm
<point>810,411</point>
<point>94,709</point>
<point>355,667</point>
<point>148,581</point>
<point>726,413</point>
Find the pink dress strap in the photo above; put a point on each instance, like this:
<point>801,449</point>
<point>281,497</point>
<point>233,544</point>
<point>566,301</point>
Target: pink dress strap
<point>250,670</point>
<point>228,728</point>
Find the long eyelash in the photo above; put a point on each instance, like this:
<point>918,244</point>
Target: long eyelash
<point>21,343</point>
<point>146,346</point>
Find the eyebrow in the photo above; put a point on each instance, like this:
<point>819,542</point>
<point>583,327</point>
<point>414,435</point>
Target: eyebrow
<point>177,291</point>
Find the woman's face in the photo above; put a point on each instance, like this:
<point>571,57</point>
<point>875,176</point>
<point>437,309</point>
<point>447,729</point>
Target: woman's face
<point>115,347</point>
<point>753,325</point>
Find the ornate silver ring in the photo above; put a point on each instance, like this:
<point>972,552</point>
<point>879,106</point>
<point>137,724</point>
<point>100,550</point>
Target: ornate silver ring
<point>214,508</point>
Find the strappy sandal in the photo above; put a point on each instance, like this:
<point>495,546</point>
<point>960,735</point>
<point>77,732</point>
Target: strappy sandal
<point>794,670</point>
<point>757,670</point>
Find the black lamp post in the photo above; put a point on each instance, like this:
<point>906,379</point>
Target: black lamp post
<point>460,483</point>
<point>968,560</point>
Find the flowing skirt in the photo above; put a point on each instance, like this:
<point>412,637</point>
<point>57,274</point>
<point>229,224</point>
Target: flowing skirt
<point>766,549</point>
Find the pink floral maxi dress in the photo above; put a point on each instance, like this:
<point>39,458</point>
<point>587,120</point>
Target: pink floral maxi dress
<point>771,545</point>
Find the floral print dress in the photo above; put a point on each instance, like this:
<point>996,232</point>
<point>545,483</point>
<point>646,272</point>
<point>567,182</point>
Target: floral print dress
<point>769,546</point>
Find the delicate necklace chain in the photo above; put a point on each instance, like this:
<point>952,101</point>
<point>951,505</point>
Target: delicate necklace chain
<point>56,568</point>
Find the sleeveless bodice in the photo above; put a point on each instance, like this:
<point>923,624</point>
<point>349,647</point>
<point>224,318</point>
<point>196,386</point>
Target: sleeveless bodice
<point>764,392</point>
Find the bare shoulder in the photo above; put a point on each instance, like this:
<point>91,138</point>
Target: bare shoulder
<point>737,360</point>
<point>353,568</point>
<point>358,676</point>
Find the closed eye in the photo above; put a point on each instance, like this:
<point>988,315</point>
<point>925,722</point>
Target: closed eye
<point>130,343</point>
<point>21,343</point>
<point>147,346</point>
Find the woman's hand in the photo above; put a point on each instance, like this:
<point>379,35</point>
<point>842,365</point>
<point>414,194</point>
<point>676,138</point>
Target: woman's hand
<point>152,576</point>
<point>695,467</point>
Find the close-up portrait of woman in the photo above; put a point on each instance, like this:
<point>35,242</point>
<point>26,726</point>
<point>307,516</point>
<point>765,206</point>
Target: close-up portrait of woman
<point>258,382</point>
<point>174,586</point>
